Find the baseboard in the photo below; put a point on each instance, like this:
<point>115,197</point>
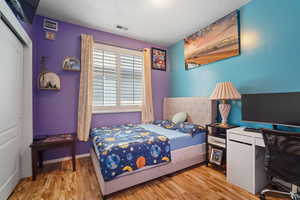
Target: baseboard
<point>7,188</point>
<point>66,158</point>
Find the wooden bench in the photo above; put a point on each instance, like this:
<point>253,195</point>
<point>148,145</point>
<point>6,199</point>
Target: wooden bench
<point>51,142</point>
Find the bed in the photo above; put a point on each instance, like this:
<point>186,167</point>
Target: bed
<point>185,150</point>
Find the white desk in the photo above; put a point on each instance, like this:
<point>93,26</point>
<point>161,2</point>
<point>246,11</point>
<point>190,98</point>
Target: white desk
<point>245,160</point>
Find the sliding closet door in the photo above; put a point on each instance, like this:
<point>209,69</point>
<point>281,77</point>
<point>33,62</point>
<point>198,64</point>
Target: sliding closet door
<point>11,99</point>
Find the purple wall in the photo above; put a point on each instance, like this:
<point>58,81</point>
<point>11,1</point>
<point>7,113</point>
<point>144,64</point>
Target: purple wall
<point>56,112</point>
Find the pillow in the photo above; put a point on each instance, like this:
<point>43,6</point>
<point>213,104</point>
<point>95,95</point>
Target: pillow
<point>179,117</point>
<point>164,123</point>
<point>188,128</point>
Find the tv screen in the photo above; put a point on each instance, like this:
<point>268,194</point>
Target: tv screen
<point>273,108</point>
<point>24,9</point>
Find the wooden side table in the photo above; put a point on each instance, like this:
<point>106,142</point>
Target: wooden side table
<point>51,142</point>
<point>216,139</point>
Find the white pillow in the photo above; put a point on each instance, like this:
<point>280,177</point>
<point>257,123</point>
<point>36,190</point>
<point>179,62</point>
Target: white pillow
<point>179,117</point>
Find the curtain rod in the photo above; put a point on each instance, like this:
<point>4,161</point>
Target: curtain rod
<point>118,46</point>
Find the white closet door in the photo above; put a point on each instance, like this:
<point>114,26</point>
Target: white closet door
<point>11,98</point>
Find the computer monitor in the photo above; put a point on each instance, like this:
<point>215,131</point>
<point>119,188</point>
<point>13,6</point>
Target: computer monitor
<point>272,108</point>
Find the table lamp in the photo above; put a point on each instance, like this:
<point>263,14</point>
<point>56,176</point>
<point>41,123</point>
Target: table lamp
<point>224,91</point>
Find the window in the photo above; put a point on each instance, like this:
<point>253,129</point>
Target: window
<point>118,79</point>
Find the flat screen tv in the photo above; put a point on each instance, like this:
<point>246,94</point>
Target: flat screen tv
<point>24,10</point>
<point>272,108</point>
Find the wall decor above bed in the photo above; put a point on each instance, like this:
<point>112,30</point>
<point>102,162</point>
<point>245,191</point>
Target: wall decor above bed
<point>159,59</point>
<point>218,41</point>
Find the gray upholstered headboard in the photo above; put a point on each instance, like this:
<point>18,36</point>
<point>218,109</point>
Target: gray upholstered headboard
<point>200,110</point>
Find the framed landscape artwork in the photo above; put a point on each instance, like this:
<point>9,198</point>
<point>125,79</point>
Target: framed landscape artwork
<point>159,59</point>
<point>217,41</point>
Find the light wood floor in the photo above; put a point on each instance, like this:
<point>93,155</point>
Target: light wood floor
<point>59,182</point>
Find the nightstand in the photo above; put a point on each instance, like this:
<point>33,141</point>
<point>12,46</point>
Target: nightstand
<point>216,145</point>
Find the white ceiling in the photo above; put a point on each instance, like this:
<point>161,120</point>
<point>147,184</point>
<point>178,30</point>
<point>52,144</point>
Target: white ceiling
<point>161,22</point>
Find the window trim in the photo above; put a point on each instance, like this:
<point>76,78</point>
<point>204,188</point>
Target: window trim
<point>118,108</point>
<point>104,47</point>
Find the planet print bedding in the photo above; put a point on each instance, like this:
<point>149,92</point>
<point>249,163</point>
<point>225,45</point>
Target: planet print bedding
<point>183,127</point>
<point>127,148</point>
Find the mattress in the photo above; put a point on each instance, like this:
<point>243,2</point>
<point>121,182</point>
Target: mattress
<point>178,140</point>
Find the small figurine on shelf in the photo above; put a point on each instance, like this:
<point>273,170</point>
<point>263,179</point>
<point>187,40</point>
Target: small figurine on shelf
<point>71,64</point>
<point>48,80</point>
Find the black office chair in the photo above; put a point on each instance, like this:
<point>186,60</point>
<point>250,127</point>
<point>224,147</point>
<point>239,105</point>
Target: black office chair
<point>282,161</point>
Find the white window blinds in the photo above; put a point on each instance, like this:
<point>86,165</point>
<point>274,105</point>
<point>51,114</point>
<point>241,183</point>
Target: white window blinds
<point>118,79</point>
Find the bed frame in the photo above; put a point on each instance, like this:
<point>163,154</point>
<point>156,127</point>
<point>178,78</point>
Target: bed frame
<point>200,111</point>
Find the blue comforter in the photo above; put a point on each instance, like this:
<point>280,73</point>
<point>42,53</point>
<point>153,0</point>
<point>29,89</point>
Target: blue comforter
<point>127,148</point>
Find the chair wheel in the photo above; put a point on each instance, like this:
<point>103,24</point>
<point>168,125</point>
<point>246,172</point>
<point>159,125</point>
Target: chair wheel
<point>262,197</point>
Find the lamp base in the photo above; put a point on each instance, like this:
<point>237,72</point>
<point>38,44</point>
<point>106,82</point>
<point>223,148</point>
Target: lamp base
<point>224,111</point>
<point>223,125</point>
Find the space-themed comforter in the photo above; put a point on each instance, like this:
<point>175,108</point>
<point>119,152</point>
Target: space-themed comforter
<point>127,148</point>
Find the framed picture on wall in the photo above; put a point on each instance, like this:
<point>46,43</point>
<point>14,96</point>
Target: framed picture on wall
<point>218,41</point>
<point>50,35</point>
<point>159,59</point>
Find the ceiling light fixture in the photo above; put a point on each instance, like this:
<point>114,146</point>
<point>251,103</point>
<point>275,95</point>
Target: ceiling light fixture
<point>160,3</point>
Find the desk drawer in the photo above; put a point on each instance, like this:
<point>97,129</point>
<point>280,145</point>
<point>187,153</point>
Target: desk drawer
<point>241,138</point>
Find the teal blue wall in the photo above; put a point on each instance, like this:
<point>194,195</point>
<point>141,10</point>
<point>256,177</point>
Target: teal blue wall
<point>269,60</point>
